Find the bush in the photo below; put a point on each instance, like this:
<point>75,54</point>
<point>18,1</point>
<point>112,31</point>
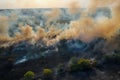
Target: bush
<point>39,79</point>
<point>60,69</point>
<point>94,63</point>
<point>29,75</point>
<point>73,60</point>
<point>81,64</point>
<point>73,66</point>
<point>47,73</point>
<point>84,64</point>
<point>113,58</point>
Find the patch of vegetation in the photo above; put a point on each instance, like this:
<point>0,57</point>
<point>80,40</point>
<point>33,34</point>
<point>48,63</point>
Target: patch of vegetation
<point>81,64</point>
<point>29,75</point>
<point>39,79</point>
<point>112,58</point>
<point>47,73</point>
<point>60,69</point>
<point>84,64</point>
<point>73,66</point>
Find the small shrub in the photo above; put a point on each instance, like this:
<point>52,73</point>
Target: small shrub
<point>60,69</point>
<point>84,64</point>
<point>39,79</point>
<point>47,71</point>
<point>113,58</point>
<point>73,60</point>
<point>73,66</point>
<point>94,63</point>
<point>81,64</point>
<point>29,75</point>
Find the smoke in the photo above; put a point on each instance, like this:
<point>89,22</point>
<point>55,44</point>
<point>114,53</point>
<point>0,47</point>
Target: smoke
<point>52,16</point>
<point>6,4</point>
<point>74,7</point>
<point>85,29</point>
<point>109,27</point>
<point>25,34</point>
<point>4,27</point>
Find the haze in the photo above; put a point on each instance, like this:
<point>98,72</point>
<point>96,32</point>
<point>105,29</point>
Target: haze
<point>13,4</point>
